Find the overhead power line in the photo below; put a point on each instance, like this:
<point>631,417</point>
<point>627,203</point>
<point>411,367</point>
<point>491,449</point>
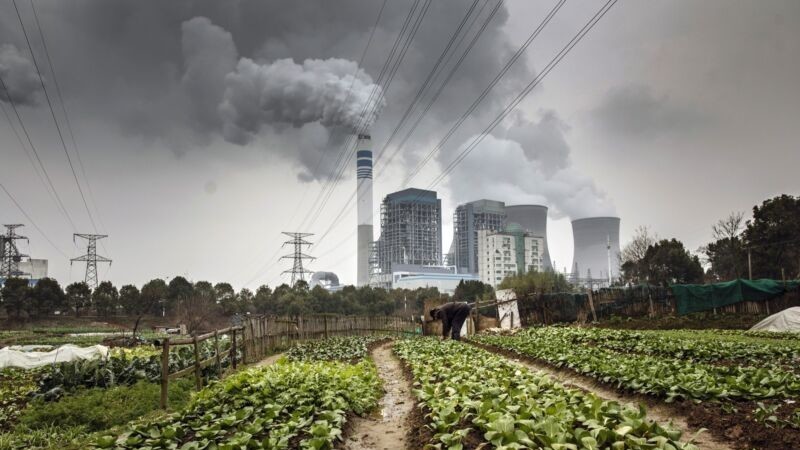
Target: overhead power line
<point>53,115</point>
<point>31,221</point>
<point>521,96</point>
<point>59,202</point>
<point>66,115</point>
<point>514,58</point>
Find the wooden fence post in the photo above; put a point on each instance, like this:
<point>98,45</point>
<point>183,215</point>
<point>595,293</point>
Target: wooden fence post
<point>235,348</point>
<point>216,354</point>
<point>198,379</point>
<point>591,305</point>
<point>164,373</point>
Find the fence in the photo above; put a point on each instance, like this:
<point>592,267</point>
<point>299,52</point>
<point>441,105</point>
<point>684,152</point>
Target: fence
<point>639,301</point>
<point>264,335</point>
<point>198,364</point>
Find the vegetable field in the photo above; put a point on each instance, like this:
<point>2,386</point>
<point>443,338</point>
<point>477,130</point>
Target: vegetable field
<point>743,386</point>
<point>641,390</point>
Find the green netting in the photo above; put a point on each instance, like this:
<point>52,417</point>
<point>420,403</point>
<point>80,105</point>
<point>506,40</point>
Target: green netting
<point>691,298</point>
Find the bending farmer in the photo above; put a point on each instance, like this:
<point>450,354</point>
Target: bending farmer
<point>452,316</point>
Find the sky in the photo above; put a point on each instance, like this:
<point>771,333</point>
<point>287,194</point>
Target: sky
<point>198,131</point>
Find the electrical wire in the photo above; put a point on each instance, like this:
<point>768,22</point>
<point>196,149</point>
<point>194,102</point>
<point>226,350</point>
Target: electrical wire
<point>53,114</point>
<point>32,222</point>
<point>60,203</point>
<point>66,115</point>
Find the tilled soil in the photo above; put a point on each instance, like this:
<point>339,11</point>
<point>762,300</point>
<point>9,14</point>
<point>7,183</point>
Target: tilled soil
<point>658,411</point>
<point>387,428</point>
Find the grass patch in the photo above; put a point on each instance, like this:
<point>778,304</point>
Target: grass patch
<point>68,422</point>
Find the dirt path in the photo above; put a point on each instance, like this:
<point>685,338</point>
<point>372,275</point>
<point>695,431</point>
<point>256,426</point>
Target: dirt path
<point>385,429</point>
<point>656,410</point>
<point>269,360</point>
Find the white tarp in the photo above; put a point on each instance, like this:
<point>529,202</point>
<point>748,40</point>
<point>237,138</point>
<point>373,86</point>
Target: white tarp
<point>508,309</point>
<point>65,353</point>
<point>786,320</point>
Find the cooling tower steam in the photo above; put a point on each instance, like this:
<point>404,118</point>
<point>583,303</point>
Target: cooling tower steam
<point>333,92</point>
<point>527,162</point>
<point>19,77</point>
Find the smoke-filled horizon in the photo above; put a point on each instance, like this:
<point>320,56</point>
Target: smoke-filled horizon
<point>206,128</point>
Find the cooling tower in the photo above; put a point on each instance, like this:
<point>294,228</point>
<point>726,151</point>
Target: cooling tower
<point>364,199</point>
<point>592,237</point>
<point>533,219</point>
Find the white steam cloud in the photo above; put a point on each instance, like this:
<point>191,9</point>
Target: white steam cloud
<point>19,76</point>
<point>284,92</point>
<point>528,163</point>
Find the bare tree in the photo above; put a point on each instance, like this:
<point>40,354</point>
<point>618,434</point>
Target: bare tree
<point>634,252</point>
<point>729,227</point>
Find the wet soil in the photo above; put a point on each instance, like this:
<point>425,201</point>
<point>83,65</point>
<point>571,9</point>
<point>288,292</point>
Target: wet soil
<point>656,410</point>
<point>388,427</point>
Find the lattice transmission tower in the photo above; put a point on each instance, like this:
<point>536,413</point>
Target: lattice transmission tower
<point>91,257</point>
<point>297,240</point>
<point>11,257</point>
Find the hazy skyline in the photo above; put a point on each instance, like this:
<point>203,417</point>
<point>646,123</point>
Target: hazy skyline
<point>668,114</point>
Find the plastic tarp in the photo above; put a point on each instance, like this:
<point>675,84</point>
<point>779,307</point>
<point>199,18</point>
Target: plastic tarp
<point>509,310</point>
<point>65,353</point>
<point>786,320</point>
<point>704,297</point>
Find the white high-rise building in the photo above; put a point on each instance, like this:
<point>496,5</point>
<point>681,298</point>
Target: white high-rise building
<point>510,252</point>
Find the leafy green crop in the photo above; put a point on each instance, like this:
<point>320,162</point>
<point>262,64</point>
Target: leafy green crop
<point>16,385</point>
<point>664,376</point>
<point>333,349</point>
<point>468,389</point>
<point>264,408</point>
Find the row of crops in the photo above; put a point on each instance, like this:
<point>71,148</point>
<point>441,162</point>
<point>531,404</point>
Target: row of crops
<point>657,366</point>
<point>300,402</point>
<point>467,390</point>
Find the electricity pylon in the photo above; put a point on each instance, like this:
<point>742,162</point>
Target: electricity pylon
<point>91,257</point>
<point>11,257</point>
<point>298,271</point>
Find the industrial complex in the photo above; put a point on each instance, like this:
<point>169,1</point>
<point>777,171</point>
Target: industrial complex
<point>491,240</point>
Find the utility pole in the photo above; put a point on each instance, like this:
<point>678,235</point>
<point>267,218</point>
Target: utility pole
<point>749,264</point>
<point>11,257</point>
<point>91,257</point>
<point>297,241</point>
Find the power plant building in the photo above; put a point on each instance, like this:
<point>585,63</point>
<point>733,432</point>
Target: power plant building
<point>596,254</point>
<point>411,230</point>
<point>510,252</point>
<point>532,219</point>
<point>468,219</point>
<point>364,202</point>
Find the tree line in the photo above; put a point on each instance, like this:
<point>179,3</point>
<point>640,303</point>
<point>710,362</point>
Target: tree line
<point>194,302</point>
<point>765,246</point>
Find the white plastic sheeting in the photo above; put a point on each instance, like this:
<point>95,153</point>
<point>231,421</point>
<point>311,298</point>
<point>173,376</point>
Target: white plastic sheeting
<point>786,320</point>
<point>65,353</point>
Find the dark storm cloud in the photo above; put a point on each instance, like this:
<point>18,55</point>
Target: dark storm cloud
<point>19,77</point>
<point>178,73</point>
<point>636,111</point>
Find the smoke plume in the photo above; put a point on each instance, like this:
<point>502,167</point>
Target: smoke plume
<point>19,76</point>
<point>284,92</point>
<point>528,162</point>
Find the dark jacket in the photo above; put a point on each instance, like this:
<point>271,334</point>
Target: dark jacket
<point>452,316</point>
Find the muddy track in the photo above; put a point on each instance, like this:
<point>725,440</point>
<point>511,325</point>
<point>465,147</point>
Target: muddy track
<point>386,428</point>
<point>269,360</point>
<point>656,410</point>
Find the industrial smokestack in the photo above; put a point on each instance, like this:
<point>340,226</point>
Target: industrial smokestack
<point>596,247</point>
<point>364,196</point>
<point>533,219</point>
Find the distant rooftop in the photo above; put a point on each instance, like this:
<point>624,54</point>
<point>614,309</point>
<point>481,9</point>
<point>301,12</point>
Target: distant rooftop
<point>412,195</point>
